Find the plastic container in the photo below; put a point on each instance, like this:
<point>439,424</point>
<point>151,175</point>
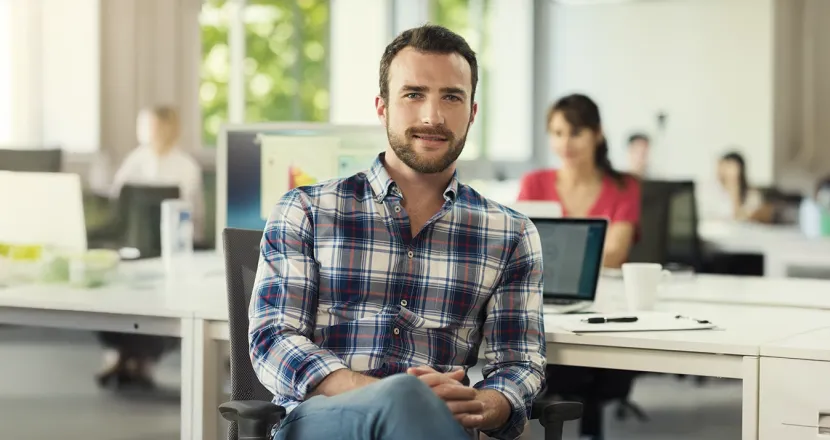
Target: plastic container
<point>93,268</point>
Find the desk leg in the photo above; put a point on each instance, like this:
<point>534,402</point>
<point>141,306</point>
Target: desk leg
<point>205,383</point>
<point>187,423</point>
<point>751,381</point>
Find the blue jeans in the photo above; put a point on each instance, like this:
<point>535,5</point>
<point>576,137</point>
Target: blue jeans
<point>400,407</point>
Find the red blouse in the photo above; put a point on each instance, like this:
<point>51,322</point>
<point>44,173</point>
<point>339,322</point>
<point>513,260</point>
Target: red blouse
<point>617,204</point>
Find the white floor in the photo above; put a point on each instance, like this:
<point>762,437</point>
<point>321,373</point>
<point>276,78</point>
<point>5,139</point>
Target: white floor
<point>47,392</point>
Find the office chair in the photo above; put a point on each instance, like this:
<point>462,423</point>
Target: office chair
<point>35,160</point>
<point>137,224</point>
<point>669,214</point>
<point>250,410</point>
<point>137,220</point>
<point>652,240</point>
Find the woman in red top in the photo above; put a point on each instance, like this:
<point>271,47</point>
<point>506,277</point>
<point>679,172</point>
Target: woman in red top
<point>587,185</point>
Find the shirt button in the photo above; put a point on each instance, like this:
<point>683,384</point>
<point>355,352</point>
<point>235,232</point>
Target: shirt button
<point>396,331</point>
<point>404,303</point>
<point>410,254</point>
<point>397,209</point>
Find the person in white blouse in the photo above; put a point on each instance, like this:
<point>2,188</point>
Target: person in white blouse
<point>158,160</point>
<point>736,200</point>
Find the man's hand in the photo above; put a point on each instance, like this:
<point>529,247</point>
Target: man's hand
<point>461,400</point>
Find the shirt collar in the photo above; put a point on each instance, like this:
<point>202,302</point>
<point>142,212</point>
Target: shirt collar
<point>382,185</point>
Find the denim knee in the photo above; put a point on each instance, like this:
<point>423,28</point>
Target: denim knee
<point>403,389</point>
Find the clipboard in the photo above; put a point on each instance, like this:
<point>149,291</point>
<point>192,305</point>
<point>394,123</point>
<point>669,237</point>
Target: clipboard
<point>646,322</point>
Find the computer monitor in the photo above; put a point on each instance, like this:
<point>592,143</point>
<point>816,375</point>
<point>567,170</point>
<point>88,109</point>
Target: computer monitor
<point>572,256</point>
<point>43,209</point>
<point>245,193</point>
<point>32,161</point>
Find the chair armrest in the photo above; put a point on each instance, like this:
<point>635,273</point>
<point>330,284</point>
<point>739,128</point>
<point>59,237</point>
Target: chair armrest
<point>552,415</point>
<point>556,412</point>
<point>253,418</point>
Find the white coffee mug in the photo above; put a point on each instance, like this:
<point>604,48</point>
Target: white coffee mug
<point>642,281</point>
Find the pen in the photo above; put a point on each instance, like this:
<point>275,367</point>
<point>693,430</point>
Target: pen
<point>699,321</point>
<point>602,320</point>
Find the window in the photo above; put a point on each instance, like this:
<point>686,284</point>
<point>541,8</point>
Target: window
<point>284,62</point>
<point>467,18</point>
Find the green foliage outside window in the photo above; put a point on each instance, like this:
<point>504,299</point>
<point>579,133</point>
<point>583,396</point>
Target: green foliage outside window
<point>286,70</point>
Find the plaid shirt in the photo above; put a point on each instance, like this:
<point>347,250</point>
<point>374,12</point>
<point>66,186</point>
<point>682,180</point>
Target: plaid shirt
<point>342,283</point>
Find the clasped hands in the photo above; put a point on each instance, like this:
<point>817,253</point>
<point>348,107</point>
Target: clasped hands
<point>460,399</point>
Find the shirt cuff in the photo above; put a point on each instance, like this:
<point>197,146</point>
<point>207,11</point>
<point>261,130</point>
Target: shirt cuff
<point>518,408</point>
<point>316,367</point>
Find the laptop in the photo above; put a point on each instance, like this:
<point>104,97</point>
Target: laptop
<point>572,256</point>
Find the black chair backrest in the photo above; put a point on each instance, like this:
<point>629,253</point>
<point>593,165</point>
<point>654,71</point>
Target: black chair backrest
<point>669,220</point>
<point>139,216</point>
<point>652,240</point>
<point>33,161</point>
<point>241,247</point>
<point>684,245</point>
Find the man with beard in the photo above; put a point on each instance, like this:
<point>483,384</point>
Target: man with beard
<point>375,292</point>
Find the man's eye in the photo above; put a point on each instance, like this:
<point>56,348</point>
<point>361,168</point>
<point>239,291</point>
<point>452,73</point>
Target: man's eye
<point>412,95</point>
<point>453,98</point>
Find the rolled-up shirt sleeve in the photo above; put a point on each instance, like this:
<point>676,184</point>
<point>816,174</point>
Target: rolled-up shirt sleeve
<point>284,304</point>
<point>515,334</point>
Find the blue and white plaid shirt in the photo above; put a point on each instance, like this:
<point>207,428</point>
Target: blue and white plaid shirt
<point>342,283</point>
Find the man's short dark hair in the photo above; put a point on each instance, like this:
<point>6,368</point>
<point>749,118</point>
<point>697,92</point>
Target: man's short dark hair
<point>636,137</point>
<point>428,39</point>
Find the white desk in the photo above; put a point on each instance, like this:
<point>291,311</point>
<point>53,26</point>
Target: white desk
<point>143,302</point>
<point>781,246</point>
<point>193,306</point>
<point>795,387</point>
<point>758,291</point>
<point>732,350</point>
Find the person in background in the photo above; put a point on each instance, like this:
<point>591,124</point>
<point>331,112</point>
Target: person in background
<point>738,201</point>
<point>158,160</point>
<point>639,146</point>
<point>587,185</point>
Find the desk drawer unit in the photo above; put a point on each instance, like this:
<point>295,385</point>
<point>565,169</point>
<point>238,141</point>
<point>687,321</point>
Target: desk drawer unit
<point>794,401</point>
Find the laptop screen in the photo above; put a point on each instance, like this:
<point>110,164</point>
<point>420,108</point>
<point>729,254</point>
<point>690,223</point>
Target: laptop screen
<point>572,256</point>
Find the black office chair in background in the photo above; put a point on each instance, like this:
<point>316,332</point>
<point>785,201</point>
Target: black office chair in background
<point>136,220</point>
<point>651,245</point>
<point>250,410</point>
<point>136,224</point>
<point>669,214</point>
<point>38,160</point>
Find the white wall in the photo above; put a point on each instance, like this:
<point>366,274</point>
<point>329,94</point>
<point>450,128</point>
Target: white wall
<point>706,63</point>
<point>70,69</point>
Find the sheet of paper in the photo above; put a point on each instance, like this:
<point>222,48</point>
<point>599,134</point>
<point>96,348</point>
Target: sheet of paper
<point>288,162</point>
<point>647,321</point>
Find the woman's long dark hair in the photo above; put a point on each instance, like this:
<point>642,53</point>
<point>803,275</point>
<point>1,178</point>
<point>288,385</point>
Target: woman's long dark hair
<point>582,112</point>
<point>736,157</point>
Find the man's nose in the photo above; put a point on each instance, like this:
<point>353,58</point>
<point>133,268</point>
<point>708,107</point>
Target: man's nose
<point>431,113</point>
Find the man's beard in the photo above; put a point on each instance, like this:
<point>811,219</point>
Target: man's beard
<point>402,146</point>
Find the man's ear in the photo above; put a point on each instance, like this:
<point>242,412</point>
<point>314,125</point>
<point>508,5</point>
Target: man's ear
<point>380,108</point>
<point>473,112</point>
